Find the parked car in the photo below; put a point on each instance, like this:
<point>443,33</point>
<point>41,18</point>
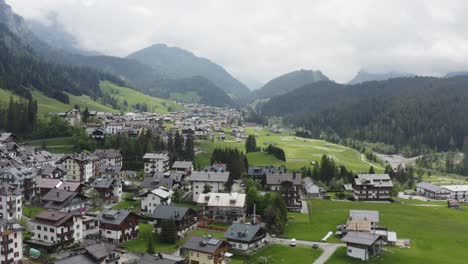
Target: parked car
<point>293,242</point>
<point>315,246</point>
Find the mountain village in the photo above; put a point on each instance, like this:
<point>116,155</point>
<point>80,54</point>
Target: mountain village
<point>87,206</point>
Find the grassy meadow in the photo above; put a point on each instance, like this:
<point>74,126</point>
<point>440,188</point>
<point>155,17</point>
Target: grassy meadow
<point>438,234</point>
<point>134,97</point>
<point>299,151</point>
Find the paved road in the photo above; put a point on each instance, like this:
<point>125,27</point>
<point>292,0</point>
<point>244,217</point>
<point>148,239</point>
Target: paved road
<point>328,248</point>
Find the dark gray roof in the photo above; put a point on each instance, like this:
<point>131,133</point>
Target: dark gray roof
<point>203,244</point>
<point>100,250</point>
<point>429,186</point>
<point>107,153</point>
<point>104,183</point>
<point>209,176</point>
<point>113,217</point>
<point>370,215</point>
<point>161,259</point>
<point>170,212</point>
<point>361,238</point>
<point>242,232</point>
<point>77,259</point>
<point>278,178</point>
<point>58,195</point>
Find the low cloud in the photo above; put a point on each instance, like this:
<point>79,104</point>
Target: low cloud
<point>259,40</point>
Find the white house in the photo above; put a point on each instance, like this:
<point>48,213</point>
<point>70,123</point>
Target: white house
<point>113,128</point>
<point>151,200</point>
<point>110,157</point>
<point>362,245</point>
<point>457,192</point>
<point>10,202</point>
<point>245,236</point>
<point>12,242</point>
<point>215,180</point>
<point>53,230</point>
<point>79,167</point>
<point>156,162</point>
<point>118,226</point>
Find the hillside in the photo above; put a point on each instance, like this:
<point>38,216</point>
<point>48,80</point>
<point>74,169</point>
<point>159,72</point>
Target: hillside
<point>22,69</point>
<point>288,82</point>
<point>119,93</point>
<point>133,97</point>
<point>175,63</point>
<point>191,90</point>
<point>364,76</point>
<point>403,112</point>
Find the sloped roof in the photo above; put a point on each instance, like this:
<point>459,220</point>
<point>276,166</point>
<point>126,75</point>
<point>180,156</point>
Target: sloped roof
<point>361,238</point>
<point>167,212</point>
<point>370,215</point>
<point>429,186</point>
<point>209,176</point>
<point>202,244</point>
<point>113,217</point>
<point>278,178</point>
<point>242,232</point>
<point>100,250</point>
<point>182,164</point>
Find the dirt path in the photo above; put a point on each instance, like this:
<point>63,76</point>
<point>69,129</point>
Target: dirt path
<point>363,159</point>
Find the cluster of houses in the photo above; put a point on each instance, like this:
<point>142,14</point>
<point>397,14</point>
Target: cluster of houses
<point>199,121</point>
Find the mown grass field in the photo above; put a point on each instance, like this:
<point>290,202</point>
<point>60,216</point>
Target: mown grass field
<point>299,151</point>
<point>280,254</point>
<point>438,234</point>
<point>134,97</point>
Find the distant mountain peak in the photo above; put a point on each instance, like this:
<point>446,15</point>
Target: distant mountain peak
<point>176,62</point>
<point>366,76</point>
<point>289,82</point>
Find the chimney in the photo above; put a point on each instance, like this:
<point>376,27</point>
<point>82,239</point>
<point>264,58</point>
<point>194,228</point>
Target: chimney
<point>58,194</point>
<point>294,175</point>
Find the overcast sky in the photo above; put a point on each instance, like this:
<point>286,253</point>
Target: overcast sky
<point>259,40</point>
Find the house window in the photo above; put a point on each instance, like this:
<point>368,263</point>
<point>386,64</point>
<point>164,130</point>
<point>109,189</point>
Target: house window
<point>38,227</point>
<point>350,250</point>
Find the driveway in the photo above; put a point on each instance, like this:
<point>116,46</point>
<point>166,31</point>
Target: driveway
<point>327,248</point>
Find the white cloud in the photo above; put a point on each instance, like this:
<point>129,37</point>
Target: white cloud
<point>259,40</point>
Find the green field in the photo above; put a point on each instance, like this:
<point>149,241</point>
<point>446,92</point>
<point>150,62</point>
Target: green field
<point>438,234</point>
<point>134,97</point>
<point>299,151</point>
<point>47,104</point>
<point>280,254</point>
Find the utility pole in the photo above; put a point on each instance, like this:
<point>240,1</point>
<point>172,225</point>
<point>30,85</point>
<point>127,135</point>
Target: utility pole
<point>254,220</point>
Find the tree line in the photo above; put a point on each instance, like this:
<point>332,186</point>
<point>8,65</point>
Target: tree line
<point>415,112</point>
<point>19,116</point>
<point>235,160</point>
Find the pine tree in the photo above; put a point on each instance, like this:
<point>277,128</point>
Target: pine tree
<point>465,158</point>
<point>371,170</point>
